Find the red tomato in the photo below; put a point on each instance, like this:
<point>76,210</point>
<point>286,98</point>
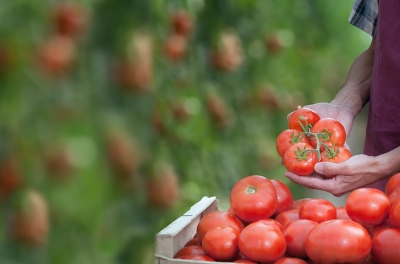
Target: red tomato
<point>30,225</point>
<point>287,217</point>
<point>196,257</point>
<point>299,202</point>
<point>335,154</point>
<point>271,222</point>
<point>253,198</point>
<point>284,195</point>
<point>193,242</point>
<point>57,54</point>
<point>305,116</point>
<point>182,22</point>
<point>10,177</point>
<point>394,215</point>
<point>244,261</point>
<point>341,213</point>
<point>386,246</point>
<point>373,230</point>
<point>71,19</point>
<point>190,250</point>
<point>394,196</point>
<point>215,219</point>
<point>338,241</point>
<point>368,206</point>
<point>317,210</point>
<point>175,47</point>
<point>262,243</point>
<point>368,260</point>
<point>331,131</point>
<point>393,183</point>
<point>290,261</point>
<point>239,256</point>
<point>288,138</point>
<point>295,234</point>
<point>221,243</point>
<point>300,159</point>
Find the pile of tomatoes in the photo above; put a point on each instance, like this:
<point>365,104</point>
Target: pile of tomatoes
<point>265,225</point>
<point>299,148</point>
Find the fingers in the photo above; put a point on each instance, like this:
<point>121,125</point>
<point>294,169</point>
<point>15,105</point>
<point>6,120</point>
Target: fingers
<point>330,169</point>
<point>288,116</point>
<point>314,181</point>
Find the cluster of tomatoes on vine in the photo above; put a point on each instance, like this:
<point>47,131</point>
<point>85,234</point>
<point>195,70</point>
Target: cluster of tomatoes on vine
<point>311,139</point>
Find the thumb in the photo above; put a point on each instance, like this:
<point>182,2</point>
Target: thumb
<point>328,169</point>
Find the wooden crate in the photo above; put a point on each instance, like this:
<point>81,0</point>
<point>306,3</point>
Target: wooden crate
<point>178,233</point>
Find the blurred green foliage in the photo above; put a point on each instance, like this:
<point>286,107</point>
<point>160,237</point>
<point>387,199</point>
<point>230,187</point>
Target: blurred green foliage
<point>65,118</point>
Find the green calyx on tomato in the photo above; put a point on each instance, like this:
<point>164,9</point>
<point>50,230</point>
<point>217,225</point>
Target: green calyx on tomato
<point>296,138</point>
<point>318,147</point>
<point>306,127</point>
<point>324,135</point>
<point>330,153</point>
<point>302,154</point>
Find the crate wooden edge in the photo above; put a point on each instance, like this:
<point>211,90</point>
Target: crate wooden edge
<point>175,235</point>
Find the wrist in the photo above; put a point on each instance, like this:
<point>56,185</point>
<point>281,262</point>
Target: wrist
<point>388,163</point>
<point>348,103</point>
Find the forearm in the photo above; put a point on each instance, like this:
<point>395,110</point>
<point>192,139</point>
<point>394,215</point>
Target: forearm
<point>355,91</point>
<point>389,163</point>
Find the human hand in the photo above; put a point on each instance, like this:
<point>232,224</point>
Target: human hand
<point>341,178</point>
<point>340,113</point>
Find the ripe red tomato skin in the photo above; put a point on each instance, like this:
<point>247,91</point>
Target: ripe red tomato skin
<point>299,202</point>
<point>290,260</point>
<point>244,261</point>
<point>317,210</point>
<point>215,219</point>
<point>341,213</point>
<point>393,183</point>
<point>394,196</point>
<point>284,197</point>
<point>295,234</point>
<point>310,115</point>
<point>394,215</point>
<point>283,141</point>
<point>303,167</point>
<point>349,238</point>
<point>338,133</point>
<point>189,250</point>
<point>287,217</point>
<point>262,243</point>
<point>271,222</point>
<point>193,242</point>
<point>373,230</point>
<point>197,257</point>
<point>344,154</point>
<point>221,243</point>
<point>253,198</point>
<point>385,246</point>
<point>368,206</point>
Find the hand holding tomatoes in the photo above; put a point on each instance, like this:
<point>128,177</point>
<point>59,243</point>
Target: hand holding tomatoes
<point>341,178</point>
<point>326,136</point>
